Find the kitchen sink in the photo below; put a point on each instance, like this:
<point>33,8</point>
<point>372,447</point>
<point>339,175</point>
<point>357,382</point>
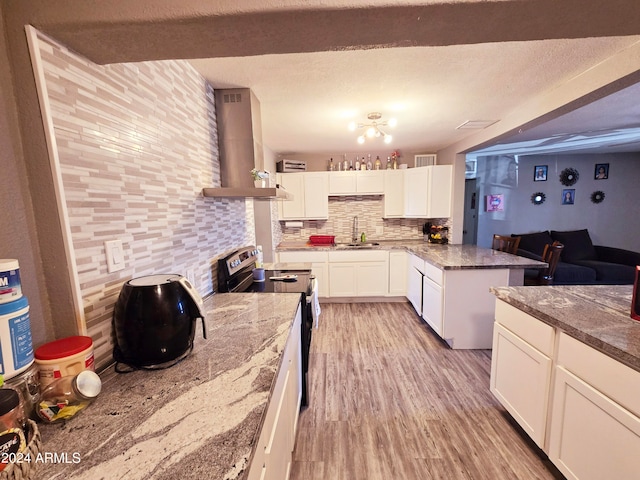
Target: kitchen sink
<point>358,245</point>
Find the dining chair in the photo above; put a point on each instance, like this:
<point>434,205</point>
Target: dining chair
<point>551,256</point>
<point>506,244</point>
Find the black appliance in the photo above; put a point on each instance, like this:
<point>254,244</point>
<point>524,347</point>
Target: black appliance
<point>154,321</point>
<point>235,275</point>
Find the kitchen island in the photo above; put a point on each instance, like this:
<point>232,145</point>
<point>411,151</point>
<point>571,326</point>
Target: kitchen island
<point>448,285</point>
<point>198,419</point>
<point>566,366</point>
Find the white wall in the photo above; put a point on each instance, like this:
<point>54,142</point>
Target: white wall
<point>614,222</point>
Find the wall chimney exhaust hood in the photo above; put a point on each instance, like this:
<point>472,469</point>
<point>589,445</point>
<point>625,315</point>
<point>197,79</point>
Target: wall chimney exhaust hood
<point>240,146</point>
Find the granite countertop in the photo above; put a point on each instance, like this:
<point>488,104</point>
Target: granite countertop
<point>198,419</point>
<point>597,315</point>
<point>446,257</point>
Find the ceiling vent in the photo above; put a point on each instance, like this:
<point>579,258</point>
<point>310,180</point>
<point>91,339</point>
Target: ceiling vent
<point>475,124</point>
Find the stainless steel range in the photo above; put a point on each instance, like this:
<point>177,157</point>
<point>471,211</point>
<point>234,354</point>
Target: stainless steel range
<point>235,275</point>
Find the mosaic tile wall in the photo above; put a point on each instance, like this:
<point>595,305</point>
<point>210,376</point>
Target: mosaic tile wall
<point>137,142</point>
<point>369,210</point>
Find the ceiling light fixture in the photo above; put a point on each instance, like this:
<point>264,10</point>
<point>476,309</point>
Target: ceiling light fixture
<point>373,128</point>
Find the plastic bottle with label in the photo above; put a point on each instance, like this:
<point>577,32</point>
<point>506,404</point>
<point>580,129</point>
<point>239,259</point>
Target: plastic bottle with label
<point>12,431</point>
<point>68,395</point>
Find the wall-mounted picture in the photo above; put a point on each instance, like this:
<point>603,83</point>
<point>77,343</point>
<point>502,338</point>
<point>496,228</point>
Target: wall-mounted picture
<point>602,171</point>
<point>540,173</point>
<point>568,196</point>
<point>495,203</point>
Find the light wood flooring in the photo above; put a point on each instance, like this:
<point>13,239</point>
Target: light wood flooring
<point>389,400</point>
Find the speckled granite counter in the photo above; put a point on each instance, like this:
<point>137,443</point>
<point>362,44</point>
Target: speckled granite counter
<point>597,315</point>
<point>198,419</point>
<point>446,257</point>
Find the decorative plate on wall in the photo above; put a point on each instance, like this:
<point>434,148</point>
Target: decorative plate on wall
<point>538,198</point>
<point>597,196</point>
<point>569,176</point>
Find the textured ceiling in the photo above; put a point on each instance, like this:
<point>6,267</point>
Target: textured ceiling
<point>432,64</point>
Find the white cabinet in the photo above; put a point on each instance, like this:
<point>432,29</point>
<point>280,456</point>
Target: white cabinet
<point>358,273</point>
<point>319,266</point>
<point>595,419</point>
<point>428,192</point>
<point>398,264</point>
<point>362,182</point>
<point>433,298</point>
<point>310,196</point>
<point>415,275</point>
<point>394,193</point>
<point>273,452</point>
<point>521,365</point>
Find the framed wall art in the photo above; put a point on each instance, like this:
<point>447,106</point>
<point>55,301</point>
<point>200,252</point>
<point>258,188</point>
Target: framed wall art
<point>601,172</point>
<point>495,202</point>
<point>568,196</point>
<point>540,173</point>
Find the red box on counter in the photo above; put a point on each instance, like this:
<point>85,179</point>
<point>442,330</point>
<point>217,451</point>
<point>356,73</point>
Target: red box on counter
<point>322,239</point>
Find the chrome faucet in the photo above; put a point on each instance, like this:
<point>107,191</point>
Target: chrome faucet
<point>354,233</point>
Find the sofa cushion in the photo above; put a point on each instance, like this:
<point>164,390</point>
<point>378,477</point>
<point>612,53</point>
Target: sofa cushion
<point>577,245</point>
<point>534,242</point>
<point>569,274</point>
<point>610,273</point>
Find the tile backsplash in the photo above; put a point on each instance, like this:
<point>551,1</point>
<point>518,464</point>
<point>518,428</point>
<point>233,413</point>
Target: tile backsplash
<point>136,143</point>
<point>369,209</point>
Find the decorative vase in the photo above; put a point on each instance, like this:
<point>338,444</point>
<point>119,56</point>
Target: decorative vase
<point>262,183</point>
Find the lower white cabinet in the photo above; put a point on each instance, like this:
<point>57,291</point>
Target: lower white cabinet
<point>595,422</point>
<point>398,264</point>
<point>579,405</point>
<point>358,273</point>
<point>273,454</point>
<point>432,304</point>
<point>521,368</point>
<point>415,275</point>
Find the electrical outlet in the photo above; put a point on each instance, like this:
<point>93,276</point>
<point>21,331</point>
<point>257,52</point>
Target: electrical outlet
<point>191,276</point>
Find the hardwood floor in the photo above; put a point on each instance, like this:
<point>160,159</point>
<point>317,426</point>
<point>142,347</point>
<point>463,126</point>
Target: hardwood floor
<point>389,400</point>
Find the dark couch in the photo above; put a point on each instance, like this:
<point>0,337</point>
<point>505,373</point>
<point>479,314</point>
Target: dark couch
<point>581,262</point>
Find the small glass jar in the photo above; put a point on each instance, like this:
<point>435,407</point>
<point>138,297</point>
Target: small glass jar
<point>68,395</point>
<point>12,421</point>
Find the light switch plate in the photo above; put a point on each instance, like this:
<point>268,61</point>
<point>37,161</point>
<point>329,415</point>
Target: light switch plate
<point>115,255</point>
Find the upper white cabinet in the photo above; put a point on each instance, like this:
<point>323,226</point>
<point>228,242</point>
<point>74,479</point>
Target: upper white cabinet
<point>362,182</point>
<point>310,196</point>
<point>394,193</point>
<point>428,191</point>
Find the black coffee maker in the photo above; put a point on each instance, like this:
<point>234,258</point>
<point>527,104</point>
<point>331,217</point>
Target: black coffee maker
<point>154,322</point>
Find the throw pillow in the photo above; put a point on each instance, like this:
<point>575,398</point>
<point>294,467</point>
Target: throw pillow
<point>577,245</point>
<point>534,242</point>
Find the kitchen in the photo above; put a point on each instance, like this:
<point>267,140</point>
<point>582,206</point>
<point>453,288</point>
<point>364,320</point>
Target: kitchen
<point>150,196</point>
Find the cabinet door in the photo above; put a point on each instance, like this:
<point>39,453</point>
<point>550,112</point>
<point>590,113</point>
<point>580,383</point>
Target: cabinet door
<point>414,282</point>
<point>371,279</point>
<point>416,183</point>
<point>439,191</point>
<point>520,380</point>
<point>321,272</point>
<point>316,195</point>
<point>592,437</point>
<point>394,193</point>
<point>370,182</point>
<point>342,183</point>
<point>398,273</point>
<point>294,184</point>
<point>342,279</point>
<point>432,300</point>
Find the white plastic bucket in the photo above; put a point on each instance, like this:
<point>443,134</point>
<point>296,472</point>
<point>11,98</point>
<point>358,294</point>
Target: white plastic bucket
<point>67,356</point>
<point>16,347</point>
<point>10,287</point>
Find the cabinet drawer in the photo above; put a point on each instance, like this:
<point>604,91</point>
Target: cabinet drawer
<point>615,380</point>
<point>308,257</point>
<point>530,329</point>
<point>434,273</point>
<point>359,256</point>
